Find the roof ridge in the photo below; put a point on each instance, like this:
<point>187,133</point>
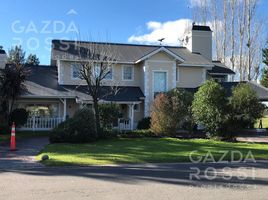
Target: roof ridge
<point>116,43</point>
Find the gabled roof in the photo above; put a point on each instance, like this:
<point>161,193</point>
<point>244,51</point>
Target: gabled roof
<point>127,53</point>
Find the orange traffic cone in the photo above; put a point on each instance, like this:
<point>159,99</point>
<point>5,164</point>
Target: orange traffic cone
<point>13,138</point>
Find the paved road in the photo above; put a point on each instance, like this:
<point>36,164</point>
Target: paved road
<point>135,182</point>
<point>24,157</point>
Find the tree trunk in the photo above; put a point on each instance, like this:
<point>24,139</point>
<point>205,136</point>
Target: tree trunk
<point>97,117</point>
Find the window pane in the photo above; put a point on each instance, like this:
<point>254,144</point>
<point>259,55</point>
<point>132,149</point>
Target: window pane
<point>109,75</point>
<point>128,72</point>
<point>160,82</point>
<point>75,71</point>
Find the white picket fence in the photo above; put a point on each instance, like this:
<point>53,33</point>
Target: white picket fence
<point>124,124</point>
<point>41,123</point>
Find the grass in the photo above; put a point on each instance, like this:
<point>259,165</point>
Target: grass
<point>264,122</point>
<point>24,134</point>
<point>144,150</point>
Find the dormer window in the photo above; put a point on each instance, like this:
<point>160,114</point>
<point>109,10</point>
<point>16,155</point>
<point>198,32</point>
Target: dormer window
<point>75,71</point>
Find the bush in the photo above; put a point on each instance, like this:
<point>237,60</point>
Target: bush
<point>210,108</point>
<point>19,116</point>
<point>109,114</point>
<point>79,129</point>
<point>144,123</point>
<point>246,108</point>
<point>138,134</point>
<point>169,111</point>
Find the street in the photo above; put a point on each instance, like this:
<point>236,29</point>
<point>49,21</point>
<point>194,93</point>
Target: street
<point>150,181</point>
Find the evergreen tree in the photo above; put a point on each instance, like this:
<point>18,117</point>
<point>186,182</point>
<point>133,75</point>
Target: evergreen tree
<point>16,56</point>
<point>32,59</point>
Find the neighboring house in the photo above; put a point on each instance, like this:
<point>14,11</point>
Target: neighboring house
<point>55,92</point>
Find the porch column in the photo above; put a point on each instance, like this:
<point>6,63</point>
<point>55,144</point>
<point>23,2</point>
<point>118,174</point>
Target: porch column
<point>131,115</point>
<point>64,109</point>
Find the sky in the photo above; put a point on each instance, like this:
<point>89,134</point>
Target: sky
<point>34,23</point>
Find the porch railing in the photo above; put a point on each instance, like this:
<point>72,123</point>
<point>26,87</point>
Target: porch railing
<point>41,123</point>
<point>124,124</point>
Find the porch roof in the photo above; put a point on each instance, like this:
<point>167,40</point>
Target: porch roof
<point>42,83</point>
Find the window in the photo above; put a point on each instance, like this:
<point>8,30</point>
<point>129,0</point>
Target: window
<point>109,74</point>
<point>75,71</point>
<point>160,82</point>
<point>128,72</point>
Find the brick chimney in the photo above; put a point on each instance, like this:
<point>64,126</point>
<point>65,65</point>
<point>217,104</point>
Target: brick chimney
<point>3,58</point>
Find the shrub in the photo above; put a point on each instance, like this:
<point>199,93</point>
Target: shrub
<point>210,107</point>
<point>79,129</point>
<point>169,111</point>
<point>109,114</point>
<point>19,116</point>
<point>144,123</point>
<point>246,108</point>
<point>139,134</point>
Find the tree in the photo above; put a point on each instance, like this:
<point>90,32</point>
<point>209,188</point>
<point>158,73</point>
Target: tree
<point>170,110</point>
<point>264,78</point>
<point>32,59</point>
<point>95,63</point>
<point>12,84</point>
<point>16,56</point>
<point>246,108</point>
<point>210,106</point>
<point>237,33</point>
<point>109,114</point>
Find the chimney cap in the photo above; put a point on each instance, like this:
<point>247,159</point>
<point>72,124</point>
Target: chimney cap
<point>201,28</point>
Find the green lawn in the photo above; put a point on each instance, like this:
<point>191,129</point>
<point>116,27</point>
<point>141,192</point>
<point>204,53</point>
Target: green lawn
<point>144,150</point>
<point>24,134</point>
<point>264,122</point>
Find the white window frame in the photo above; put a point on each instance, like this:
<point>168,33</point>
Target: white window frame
<point>72,72</point>
<point>132,69</point>
<point>166,71</point>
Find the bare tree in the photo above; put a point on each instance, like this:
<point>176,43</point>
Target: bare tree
<point>95,64</point>
<point>233,9</point>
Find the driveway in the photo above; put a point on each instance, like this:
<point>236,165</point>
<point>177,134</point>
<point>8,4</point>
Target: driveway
<point>24,157</point>
<point>132,182</point>
<point>253,139</point>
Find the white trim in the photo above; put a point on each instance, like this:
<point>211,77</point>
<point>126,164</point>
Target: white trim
<point>96,61</point>
<point>195,65</point>
<point>174,74</point>
<point>204,75</point>
<point>160,61</point>
<point>132,76</point>
<point>153,71</point>
<point>157,51</point>
<point>177,74</point>
<point>146,88</point>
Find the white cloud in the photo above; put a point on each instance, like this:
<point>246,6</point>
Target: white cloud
<point>172,31</point>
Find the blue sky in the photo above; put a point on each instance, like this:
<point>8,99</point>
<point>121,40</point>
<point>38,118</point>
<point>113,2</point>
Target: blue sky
<point>33,23</point>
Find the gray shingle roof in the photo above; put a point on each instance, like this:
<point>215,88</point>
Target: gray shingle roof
<point>220,68</point>
<point>43,82</point>
<point>64,49</point>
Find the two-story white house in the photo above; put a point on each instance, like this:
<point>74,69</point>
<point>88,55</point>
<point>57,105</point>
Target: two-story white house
<point>55,92</point>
